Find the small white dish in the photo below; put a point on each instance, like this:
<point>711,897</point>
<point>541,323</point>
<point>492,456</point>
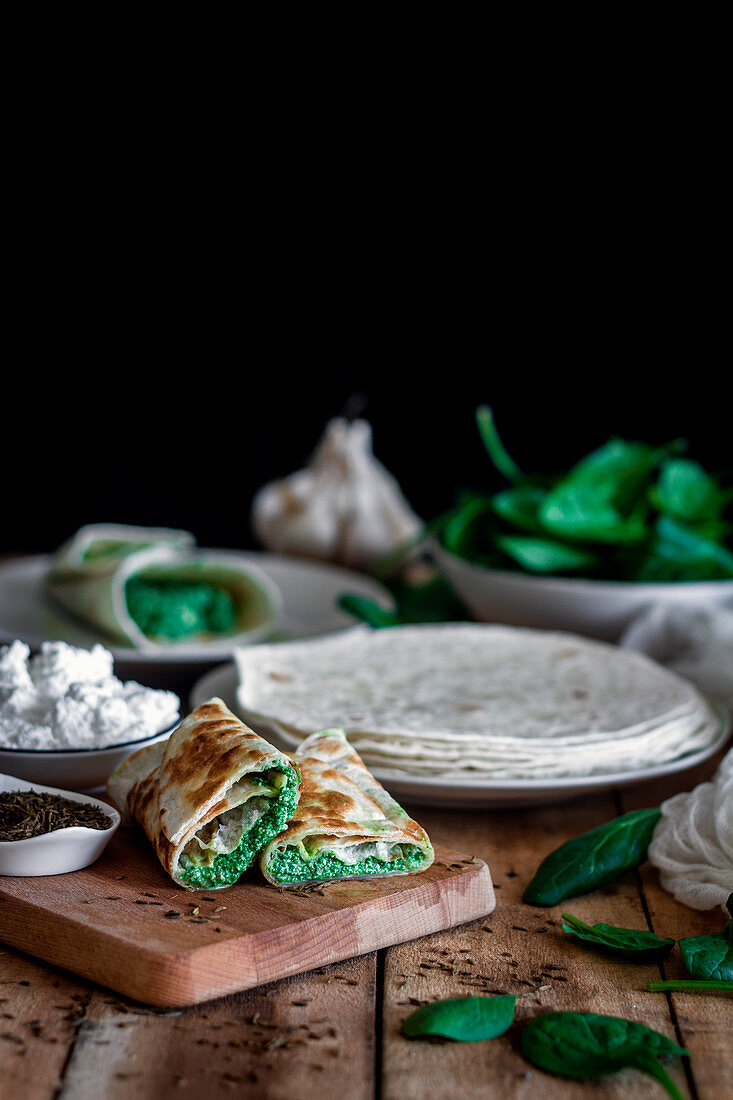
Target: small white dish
<point>309,592</point>
<point>472,792</point>
<point>73,769</point>
<point>61,851</point>
<point>598,609</point>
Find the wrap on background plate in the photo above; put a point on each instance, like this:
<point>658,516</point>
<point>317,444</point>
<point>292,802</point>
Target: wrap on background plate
<point>346,824</point>
<point>161,591</point>
<point>93,546</point>
<point>209,798</point>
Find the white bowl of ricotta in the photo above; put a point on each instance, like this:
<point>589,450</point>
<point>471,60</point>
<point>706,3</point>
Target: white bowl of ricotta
<point>67,721</point>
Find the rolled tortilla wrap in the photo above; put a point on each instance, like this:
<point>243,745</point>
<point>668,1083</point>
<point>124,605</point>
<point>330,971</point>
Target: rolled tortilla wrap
<point>346,824</point>
<point>209,798</point>
<point>99,593</point>
<point>95,545</point>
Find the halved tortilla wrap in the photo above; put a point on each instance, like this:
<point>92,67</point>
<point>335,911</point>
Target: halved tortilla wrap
<point>209,798</point>
<point>346,824</point>
<point>162,592</point>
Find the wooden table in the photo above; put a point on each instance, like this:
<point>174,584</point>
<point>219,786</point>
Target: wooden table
<point>336,1032</point>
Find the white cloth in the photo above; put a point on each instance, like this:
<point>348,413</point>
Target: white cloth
<point>693,843</point>
<point>696,642</point>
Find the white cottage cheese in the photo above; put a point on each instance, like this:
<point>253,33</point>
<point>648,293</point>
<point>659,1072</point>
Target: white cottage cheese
<point>69,698</point>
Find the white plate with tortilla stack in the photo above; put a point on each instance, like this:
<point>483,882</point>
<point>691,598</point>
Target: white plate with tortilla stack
<point>474,715</point>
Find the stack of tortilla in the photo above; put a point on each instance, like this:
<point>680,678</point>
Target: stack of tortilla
<point>475,700</point>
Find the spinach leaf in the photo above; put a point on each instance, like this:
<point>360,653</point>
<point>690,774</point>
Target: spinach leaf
<point>543,555</point>
<point>583,1044</point>
<point>468,527</point>
<point>369,611</point>
<point>604,497</point>
<point>630,943</point>
<point>430,601</point>
<point>466,1019</point>
<point>683,986</point>
<point>627,511</point>
<point>710,957</point>
<point>593,859</point>
<point>579,513</point>
<point>494,446</point>
<point>520,506</point>
<point>618,471</point>
<point>687,492</point>
<point>677,552</point>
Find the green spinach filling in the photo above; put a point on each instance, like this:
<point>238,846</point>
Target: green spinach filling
<point>252,824</point>
<point>179,609</point>
<point>289,865</point>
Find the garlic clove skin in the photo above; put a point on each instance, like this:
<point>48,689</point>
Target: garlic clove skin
<point>343,507</point>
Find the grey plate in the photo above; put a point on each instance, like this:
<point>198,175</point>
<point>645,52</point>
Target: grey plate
<point>309,591</point>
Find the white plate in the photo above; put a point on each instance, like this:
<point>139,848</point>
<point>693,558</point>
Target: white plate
<point>469,793</point>
<point>61,851</point>
<point>309,591</point>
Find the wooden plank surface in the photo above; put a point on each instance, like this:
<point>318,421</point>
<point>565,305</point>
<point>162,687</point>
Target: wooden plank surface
<point>519,949</point>
<point>704,1023</point>
<point>335,1031</point>
<point>125,924</point>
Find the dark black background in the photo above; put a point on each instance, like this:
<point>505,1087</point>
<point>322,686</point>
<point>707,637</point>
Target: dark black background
<point>221,232</point>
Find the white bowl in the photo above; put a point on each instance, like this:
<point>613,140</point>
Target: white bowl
<point>73,769</point>
<point>598,609</point>
<point>59,852</point>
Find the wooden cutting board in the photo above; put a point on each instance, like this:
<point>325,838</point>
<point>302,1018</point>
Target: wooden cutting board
<point>124,923</point>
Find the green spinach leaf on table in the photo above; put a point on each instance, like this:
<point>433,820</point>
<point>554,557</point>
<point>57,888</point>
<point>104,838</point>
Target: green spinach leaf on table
<point>466,1019</point>
<point>585,1044</point>
<point>710,957</point>
<point>593,858</point>
<point>637,945</point>
<point>682,985</point>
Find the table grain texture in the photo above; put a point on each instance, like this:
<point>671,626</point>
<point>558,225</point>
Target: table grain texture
<point>335,1032</point>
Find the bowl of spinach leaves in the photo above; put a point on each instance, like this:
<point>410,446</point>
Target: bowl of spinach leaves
<point>629,525</point>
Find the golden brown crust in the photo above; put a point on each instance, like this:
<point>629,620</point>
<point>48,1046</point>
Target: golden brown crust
<point>174,790</point>
<point>340,799</point>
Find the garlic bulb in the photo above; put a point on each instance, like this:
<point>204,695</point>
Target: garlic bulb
<point>693,842</point>
<point>343,507</point>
